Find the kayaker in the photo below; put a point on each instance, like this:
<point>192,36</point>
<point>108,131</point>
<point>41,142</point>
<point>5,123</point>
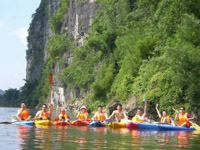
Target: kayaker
<point>100,115</point>
<point>183,118</point>
<point>83,114</point>
<point>140,116</point>
<point>118,114</point>
<point>44,114</point>
<point>164,117</point>
<point>62,115</point>
<point>23,113</point>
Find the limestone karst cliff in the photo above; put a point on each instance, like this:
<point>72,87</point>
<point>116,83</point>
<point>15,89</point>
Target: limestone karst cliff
<point>75,24</point>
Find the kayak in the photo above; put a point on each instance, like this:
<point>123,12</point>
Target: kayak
<point>132,125</point>
<point>152,126</point>
<point>80,123</point>
<point>97,124</point>
<point>62,123</point>
<point>117,125</point>
<point>23,122</point>
<point>175,128</point>
<point>43,122</point>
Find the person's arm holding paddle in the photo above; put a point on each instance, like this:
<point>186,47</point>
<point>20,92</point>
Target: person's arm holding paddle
<point>158,112</point>
<point>112,115</point>
<point>19,112</point>
<point>125,116</point>
<point>50,111</point>
<point>177,116</point>
<point>145,109</point>
<point>94,117</point>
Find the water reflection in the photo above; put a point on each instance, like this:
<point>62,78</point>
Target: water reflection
<point>43,137</point>
<point>23,133</point>
<point>70,137</point>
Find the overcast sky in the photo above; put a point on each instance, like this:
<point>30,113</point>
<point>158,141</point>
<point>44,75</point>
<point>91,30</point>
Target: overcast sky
<point>15,17</point>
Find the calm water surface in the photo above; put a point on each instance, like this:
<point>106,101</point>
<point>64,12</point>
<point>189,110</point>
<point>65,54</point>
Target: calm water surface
<point>15,137</point>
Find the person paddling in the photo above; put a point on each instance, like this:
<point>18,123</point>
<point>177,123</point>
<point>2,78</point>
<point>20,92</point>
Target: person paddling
<point>100,115</point>
<point>83,114</point>
<point>118,114</point>
<point>140,116</point>
<point>62,115</point>
<point>183,118</point>
<point>44,114</point>
<point>23,113</point>
<point>164,117</point>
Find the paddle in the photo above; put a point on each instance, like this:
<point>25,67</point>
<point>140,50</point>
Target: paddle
<point>50,93</point>
<point>5,122</point>
<point>196,126</point>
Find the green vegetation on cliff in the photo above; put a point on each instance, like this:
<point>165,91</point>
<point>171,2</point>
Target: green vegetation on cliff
<point>134,48</point>
<point>140,48</point>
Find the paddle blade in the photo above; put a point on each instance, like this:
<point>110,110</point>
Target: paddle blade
<point>196,126</point>
<point>50,79</point>
<point>6,122</point>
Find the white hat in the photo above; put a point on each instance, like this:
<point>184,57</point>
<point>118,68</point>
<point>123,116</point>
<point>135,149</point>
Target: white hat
<point>83,107</point>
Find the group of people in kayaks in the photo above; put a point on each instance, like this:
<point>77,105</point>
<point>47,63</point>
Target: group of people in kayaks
<point>182,117</point>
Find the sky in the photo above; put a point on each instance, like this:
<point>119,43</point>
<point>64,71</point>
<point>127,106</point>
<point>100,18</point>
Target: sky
<point>15,17</point>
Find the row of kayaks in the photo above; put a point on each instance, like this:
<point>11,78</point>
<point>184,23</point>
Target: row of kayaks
<point>129,125</point>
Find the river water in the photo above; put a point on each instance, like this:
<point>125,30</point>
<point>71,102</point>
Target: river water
<point>15,137</point>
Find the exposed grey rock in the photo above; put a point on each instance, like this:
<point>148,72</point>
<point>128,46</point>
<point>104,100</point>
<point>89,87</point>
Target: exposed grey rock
<point>76,24</point>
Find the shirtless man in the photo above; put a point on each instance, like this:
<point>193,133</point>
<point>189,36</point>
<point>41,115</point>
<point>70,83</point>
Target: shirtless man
<point>119,114</point>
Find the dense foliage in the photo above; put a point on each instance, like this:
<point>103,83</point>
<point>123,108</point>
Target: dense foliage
<point>9,98</point>
<point>142,47</point>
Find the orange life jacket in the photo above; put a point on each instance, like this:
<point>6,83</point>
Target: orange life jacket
<point>168,120</point>
<point>137,118</point>
<point>183,118</point>
<point>83,116</point>
<point>100,116</point>
<point>24,114</point>
<point>63,116</point>
<point>43,115</point>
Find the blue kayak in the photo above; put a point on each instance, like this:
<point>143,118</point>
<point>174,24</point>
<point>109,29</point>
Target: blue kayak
<point>148,126</point>
<point>97,124</point>
<point>174,128</point>
<point>23,122</point>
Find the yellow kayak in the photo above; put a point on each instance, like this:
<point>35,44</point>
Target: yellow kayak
<point>117,125</point>
<point>43,122</point>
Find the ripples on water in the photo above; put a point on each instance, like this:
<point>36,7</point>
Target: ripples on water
<point>14,137</point>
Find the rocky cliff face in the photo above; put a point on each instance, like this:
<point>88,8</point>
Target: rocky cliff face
<point>76,23</point>
<point>39,31</point>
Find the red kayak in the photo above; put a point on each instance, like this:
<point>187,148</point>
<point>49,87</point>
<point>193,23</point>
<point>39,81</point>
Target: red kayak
<point>80,123</point>
<point>132,125</point>
<point>62,123</point>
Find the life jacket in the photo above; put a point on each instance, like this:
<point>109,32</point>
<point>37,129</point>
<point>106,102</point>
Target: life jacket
<point>100,116</point>
<point>182,119</point>
<point>63,116</point>
<point>168,119</point>
<point>43,115</point>
<point>137,118</point>
<point>24,114</point>
<point>83,116</point>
